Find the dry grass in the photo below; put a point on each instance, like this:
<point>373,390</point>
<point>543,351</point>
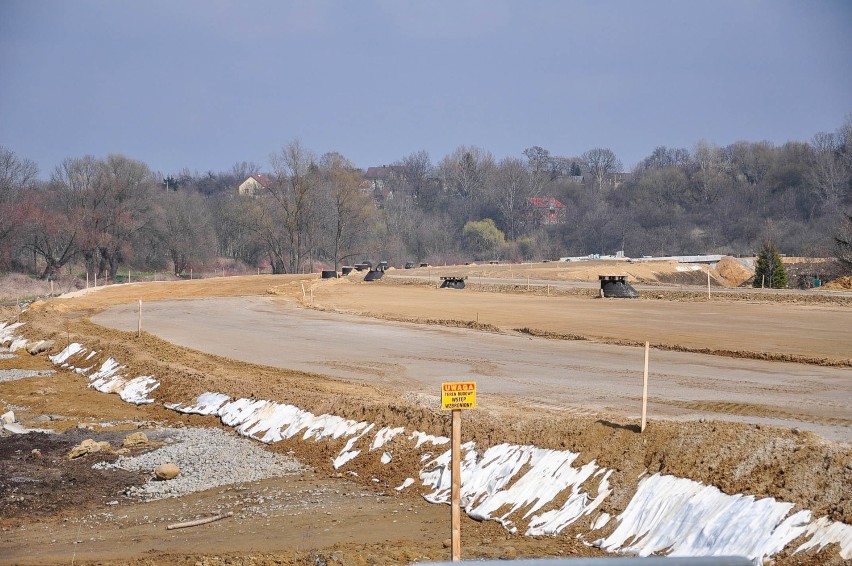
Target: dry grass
<point>16,287</point>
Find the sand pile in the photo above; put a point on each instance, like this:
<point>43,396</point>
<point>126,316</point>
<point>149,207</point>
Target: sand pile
<point>841,283</point>
<point>733,271</point>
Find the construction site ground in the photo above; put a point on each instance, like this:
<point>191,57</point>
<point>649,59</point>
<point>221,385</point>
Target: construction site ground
<point>750,391</point>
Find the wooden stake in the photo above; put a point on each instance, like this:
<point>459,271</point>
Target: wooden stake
<point>87,280</point>
<point>645,390</point>
<point>456,489</point>
<point>139,328</point>
<point>190,274</point>
<point>96,278</point>
<point>51,286</point>
<point>303,292</point>
<point>708,284</point>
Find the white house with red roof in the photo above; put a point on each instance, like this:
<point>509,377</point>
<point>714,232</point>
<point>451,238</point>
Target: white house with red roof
<point>254,185</point>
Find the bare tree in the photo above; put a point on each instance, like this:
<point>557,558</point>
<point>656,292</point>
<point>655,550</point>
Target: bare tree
<point>347,213</point>
<point>294,196</point>
<point>186,230</point>
<point>54,230</point>
<point>466,172</point>
<point>512,188</point>
<point>602,163</point>
<point>829,174</point>
<point>541,167</point>
<point>16,176</point>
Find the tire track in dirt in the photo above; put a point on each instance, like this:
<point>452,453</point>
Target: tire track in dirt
<point>752,409</point>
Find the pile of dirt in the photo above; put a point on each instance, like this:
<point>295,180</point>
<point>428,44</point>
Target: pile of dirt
<point>734,272</point>
<point>840,284</point>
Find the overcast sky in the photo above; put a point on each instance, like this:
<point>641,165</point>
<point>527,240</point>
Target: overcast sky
<point>204,84</point>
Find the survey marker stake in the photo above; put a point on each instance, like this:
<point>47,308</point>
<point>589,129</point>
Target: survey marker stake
<point>645,390</point>
<point>457,396</point>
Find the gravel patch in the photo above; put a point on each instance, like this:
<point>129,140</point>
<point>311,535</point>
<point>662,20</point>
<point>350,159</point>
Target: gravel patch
<point>207,458</point>
<point>15,374</point>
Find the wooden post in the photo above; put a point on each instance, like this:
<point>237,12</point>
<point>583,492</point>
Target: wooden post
<point>128,275</point>
<point>456,489</point>
<point>708,283</point>
<point>87,279</point>
<point>139,328</point>
<point>190,274</point>
<point>96,278</point>
<point>528,282</point>
<point>51,286</point>
<point>303,292</point>
<point>762,281</point>
<point>645,390</point>
<point>548,289</point>
<point>258,271</point>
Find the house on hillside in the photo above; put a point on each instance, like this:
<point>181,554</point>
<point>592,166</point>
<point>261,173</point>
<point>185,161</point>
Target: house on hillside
<point>546,211</point>
<point>377,180</point>
<point>254,185</point>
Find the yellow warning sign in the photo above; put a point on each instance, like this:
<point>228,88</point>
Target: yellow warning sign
<point>458,395</point>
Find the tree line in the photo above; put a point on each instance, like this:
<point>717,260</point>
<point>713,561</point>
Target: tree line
<point>317,211</point>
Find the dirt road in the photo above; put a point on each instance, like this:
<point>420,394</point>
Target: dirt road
<point>576,376</point>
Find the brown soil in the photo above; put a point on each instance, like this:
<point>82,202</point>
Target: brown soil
<point>733,271</point>
<point>840,283</point>
<point>757,460</point>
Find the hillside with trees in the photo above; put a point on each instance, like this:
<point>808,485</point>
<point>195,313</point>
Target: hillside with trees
<point>107,215</point>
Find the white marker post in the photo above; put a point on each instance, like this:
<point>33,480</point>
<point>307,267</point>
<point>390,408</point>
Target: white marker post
<point>139,328</point>
<point>455,397</point>
<point>645,390</point>
<point>708,283</point>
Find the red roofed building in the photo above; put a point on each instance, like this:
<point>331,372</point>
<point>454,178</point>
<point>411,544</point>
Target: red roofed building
<point>546,210</point>
<point>254,185</point>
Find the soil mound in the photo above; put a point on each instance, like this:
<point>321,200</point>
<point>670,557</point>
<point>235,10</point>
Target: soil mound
<point>841,283</point>
<point>733,271</point>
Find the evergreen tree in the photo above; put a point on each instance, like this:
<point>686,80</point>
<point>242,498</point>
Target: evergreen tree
<point>769,271</point>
